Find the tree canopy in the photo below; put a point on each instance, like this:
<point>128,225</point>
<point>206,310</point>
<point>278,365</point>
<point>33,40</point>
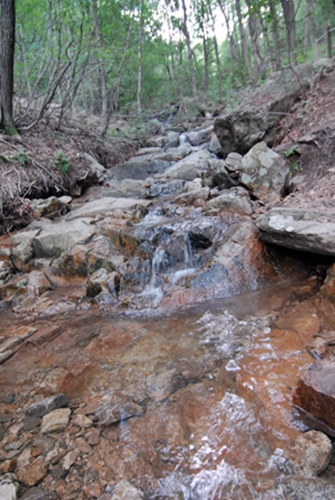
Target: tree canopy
<point>124,57</point>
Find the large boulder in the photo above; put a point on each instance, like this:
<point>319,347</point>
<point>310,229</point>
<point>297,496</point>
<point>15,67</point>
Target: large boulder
<point>190,167</point>
<point>299,229</point>
<point>264,173</point>
<point>58,237</point>
<point>257,116</point>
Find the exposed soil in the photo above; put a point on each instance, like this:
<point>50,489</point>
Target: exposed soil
<point>46,162</point>
<point>307,138</point>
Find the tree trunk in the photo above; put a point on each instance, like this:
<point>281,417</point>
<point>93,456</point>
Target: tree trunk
<point>7,65</point>
<point>275,31</point>
<point>206,59</point>
<point>289,16</point>
<point>306,27</point>
<point>243,39</point>
<point>139,62</point>
<point>254,29</point>
<point>232,46</point>
<point>104,97</point>
<point>217,55</point>
<point>189,52</point>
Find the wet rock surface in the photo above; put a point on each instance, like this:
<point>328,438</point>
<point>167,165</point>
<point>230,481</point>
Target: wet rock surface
<point>151,342</point>
<point>314,396</point>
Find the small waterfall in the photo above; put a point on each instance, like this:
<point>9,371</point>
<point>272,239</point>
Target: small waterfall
<point>188,257</point>
<point>188,262</point>
<point>157,260</point>
<point>154,290</point>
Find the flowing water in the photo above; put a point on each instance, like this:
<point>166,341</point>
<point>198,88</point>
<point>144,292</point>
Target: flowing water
<point>212,386</point>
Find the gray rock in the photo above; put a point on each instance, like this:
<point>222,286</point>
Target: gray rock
<point>96,169</point>
<point>22,247</point>
<point>8,487</point>
<point>264,172</point>
<point>172,139</point>
<point>189,167</point>
<point>300,229</point>
<point>257,116</point>
<point>58,237</point>
<point>197,137</point>
<point>240,130</point>
<point>103,281</point>
<point>233,162</point>
<point>236,201</point>
<point>30,423</point>
<point>46,405</point>
<point>104,206</point>
<point>139,168</point>
<point>50,207</point>
<point>38,283</point>
<point>194,195</point>
<point>218,176</point>
<point>214,145</point>
<point>177,153</point>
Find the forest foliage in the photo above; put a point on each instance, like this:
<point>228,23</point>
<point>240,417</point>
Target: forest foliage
<point>130,57</point>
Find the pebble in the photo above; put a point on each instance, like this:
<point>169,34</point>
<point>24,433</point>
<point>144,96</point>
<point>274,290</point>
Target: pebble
<point>34,473</point>
<point>46,405</point>
<point>55,421</point>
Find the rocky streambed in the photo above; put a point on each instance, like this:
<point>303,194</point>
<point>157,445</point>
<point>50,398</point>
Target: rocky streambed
<point>155,336</point>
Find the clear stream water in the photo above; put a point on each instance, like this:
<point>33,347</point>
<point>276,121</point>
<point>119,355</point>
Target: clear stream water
<point>214,384</point>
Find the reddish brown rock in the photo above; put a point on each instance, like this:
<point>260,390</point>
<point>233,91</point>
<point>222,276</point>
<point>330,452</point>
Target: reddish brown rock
<point>317,347</point>
<point>31,475</point>
<point>314,396</point>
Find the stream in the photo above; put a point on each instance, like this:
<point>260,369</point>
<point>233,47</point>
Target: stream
<point>172,335</point>
<point>191,404</point>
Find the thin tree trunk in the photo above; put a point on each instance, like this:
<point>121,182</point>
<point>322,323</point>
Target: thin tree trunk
<point>306,27</point>
<point>206,59</point>
<point>139,62</point>
<point>232,45</point>
<point>253,31</point>
<point>7,65</point>
<point>275,30</point>
<point>217,55</point>
<point>243,40</point>
<point>189,52</point>
<point>289,16</point>
<point>104,97</point>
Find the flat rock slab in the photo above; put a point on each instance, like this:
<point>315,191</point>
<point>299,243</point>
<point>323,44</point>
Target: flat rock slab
<point>300,229</point>
<point>104,206</point>
<point>55,238</point>
<point>314,396</point>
